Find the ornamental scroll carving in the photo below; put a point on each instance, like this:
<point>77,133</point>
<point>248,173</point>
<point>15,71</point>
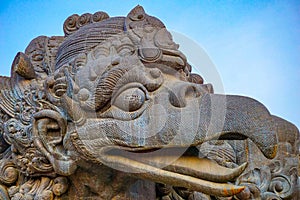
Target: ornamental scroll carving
<point>112,110</point>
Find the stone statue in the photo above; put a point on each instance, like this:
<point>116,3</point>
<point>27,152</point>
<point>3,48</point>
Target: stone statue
<point>111,110</point>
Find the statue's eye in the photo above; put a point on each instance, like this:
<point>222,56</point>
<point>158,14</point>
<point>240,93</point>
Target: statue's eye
<point>126,50</point>
<point>130,100</point>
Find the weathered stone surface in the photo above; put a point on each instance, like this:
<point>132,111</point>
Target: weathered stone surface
<point>112,110</point>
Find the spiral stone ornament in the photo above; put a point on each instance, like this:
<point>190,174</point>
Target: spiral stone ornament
<point>8,174</point>
<point>282,186</point>
<point>99,16</point>
<point>83,20</point>
<point>70,24</point>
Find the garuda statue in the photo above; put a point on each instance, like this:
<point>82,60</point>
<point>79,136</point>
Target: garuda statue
<point>111,110</point>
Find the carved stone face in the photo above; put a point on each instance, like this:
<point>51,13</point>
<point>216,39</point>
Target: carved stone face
<point>121,102</point>
<point>131,106</point>
<point>144,106</point>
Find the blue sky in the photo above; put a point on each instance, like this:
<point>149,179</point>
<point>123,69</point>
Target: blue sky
<point>254,45</point>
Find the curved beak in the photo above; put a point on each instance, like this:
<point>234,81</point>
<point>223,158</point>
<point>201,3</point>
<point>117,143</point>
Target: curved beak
<point>235,118</point>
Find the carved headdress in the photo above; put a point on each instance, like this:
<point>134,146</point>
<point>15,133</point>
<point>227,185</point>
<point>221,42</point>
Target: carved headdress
<point>88,31</point>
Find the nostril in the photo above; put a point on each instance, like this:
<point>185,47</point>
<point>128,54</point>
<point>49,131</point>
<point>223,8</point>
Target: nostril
<point>181,94</point>
<point>192,92</point>
<point>176,100</point>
